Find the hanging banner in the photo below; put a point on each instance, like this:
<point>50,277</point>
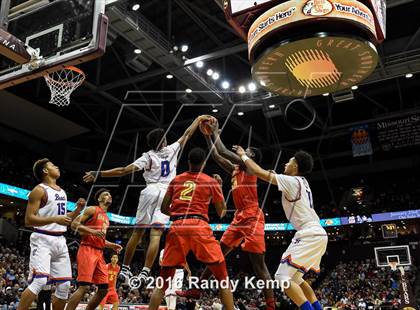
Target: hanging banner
<point>399,133</point>
<point>360,141</point>
<point>408,301</point>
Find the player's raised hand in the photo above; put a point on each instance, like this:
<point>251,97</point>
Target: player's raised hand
<point>218,178</point>
<point>89,177</point>
<point>213,125</point>
<point>63,220</point>
<point>238,149</point>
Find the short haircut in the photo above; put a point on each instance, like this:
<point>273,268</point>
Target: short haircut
<point>99,192</point>
<point>257,154</point>
<point>154,138</point>
<point>115,254</point>
<point>38,168</point>
<point>197,156</point>
<point>304,161</point>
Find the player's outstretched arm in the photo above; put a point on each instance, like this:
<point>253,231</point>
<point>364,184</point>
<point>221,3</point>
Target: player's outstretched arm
<point>116,247</point>
<point>77,224</point>
<point>222,149</point>
<point>190,130</point>
<point>80,204</point>
<point>220,160</point>
<point>32,219</point>
<point>254,168</point>
<point>92,176</point>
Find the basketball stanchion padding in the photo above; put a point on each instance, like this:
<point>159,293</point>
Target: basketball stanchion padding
<point>62,83</point>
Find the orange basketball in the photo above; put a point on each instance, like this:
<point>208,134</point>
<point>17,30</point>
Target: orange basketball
<point>205,128</point>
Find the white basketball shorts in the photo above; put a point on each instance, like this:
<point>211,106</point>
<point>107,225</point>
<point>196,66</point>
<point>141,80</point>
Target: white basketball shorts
<point>49,258</point>
<point>148,211</point>
<point>304,253</point>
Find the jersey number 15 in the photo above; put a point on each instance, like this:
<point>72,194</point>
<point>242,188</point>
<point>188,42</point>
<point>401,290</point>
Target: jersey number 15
<point>61,208</point>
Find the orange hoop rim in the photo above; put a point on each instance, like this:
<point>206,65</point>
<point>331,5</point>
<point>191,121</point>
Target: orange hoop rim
<point>73,68</point>
<point>50,79</point>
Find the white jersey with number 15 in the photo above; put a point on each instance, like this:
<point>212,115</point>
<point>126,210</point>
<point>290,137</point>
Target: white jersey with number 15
<point>159,166</point>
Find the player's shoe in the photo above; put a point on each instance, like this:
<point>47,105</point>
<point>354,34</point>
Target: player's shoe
<point>142,277</point>
<point>192,293</point>
<point>125,274</point>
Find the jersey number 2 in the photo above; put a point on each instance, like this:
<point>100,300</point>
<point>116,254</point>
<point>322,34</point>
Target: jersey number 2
<point>164,167</point>
<point>61,208</point>
<point>187,193</point>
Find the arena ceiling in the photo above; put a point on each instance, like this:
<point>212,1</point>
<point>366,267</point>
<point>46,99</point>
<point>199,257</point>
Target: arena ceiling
<point>155,101</point>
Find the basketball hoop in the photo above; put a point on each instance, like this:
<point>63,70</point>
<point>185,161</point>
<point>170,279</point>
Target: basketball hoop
<point>62,83</point>
<point>393,265</point>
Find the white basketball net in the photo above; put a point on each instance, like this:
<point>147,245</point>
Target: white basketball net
<point>62,83</point>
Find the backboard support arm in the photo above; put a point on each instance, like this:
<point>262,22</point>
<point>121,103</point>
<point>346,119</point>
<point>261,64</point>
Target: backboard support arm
<point>13,48</point>
<point>4,14</point>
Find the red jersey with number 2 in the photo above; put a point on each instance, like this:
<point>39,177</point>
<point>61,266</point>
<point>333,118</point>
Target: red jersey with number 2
<point>192,193</point>
<point>99,221</point>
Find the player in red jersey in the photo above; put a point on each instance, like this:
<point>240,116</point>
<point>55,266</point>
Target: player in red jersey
<point>247,227</point>
<point>112,296</point>
<point>187,202</point>
<point>91,267</point>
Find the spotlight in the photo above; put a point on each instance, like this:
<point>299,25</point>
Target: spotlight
<point>240,113</point>
<point>355,87</point>
<point>199,64</point>
<point>188,90</point>
<point>225,84</point>
<point>242,89</point>
<point>169,76</point>
<point>175,48</point>
<point>252,86</point>
<point>135,7</point>
<point>263,83</point>
<point>215,110</point>
<point>326,94</point>
<point>137,51</point>
<point>184,48</point>
<point>210,72</point>
<point>215,76</point>
<point>272,106</point>
<point>409,75</point>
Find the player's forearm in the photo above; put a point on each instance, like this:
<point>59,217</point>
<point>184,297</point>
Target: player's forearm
<point>109,244</point>
<point>81,229</point>
<point>116,172</point>
<point>75,213</point>
<point>221,210</point>
<point>259,172</point>
<point>224,152</point>
<point>189,132</point>
<point>34,220</point>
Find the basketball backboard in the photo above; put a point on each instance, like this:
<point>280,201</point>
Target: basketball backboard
<point>66,32</point>
<point>388,254</point>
